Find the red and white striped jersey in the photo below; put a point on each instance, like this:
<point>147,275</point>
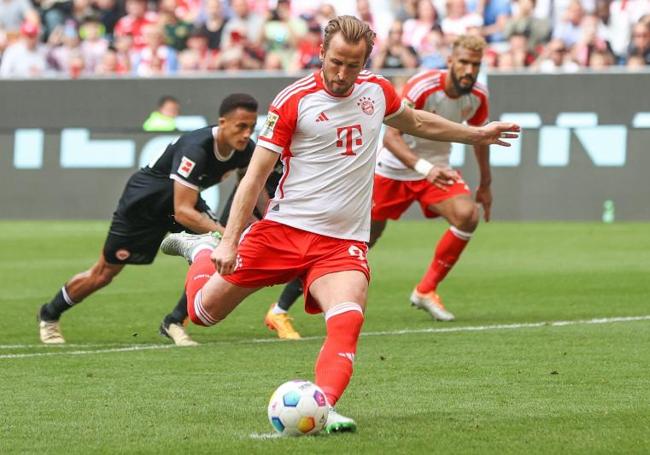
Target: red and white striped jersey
<point>426,91</point>
<point>328,147</point>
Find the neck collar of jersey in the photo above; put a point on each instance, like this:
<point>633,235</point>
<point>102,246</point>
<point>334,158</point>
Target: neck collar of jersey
<point>215,135</point>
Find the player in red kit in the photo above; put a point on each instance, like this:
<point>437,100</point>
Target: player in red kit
<point>325,129</point>
<point>454,95</point>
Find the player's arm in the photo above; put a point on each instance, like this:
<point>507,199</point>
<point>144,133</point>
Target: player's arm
<point>185,212</point>
<point>434,127</point>
<point>395,143</point>
<point>484,191</point>
<point>259,169</point>
<point>262,200</point>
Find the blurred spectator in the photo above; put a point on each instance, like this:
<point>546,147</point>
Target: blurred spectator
<point>308,53</point>
<point>136,19</point>
<point>64,45</point>
<point>426,17</point>
<point>600,59</point>
<point>214,23</point>
<point>164,117</point>
<point>111,65</point>
<point>155,58</point>
<point>94,44</point>
<point>273,62</point>
<point>407,9</point>
<point>109,12</point>
<point>555,58</point>
<point>568,29</point>
<point>325,13</point>
<point>590,41</point>
<point>496,14</point>
<point>459,20</point>
<point>176,30</point>
<point>640,42</point>
<point>377,14</point>
<point>433,51</point>
<point>393,53</point>
<point>523,22</point>
<point>243,24</point>
<point>203,57</point>
<point>520,54</point>
<point>14,12</point>
<point>26,57</point>
<point>124,51</point>
<point>635,63</point>
<point>282,33</point>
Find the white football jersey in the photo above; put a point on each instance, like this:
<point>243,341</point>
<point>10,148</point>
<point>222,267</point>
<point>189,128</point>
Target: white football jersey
<point>328,147</point>
<point>426,91</point>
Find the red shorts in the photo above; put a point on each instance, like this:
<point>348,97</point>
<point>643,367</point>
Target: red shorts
<point>272,253</point>
<point>391,198</point>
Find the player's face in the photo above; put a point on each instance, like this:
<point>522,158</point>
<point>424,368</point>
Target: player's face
<point>464,65</point>
<point>342,63</point>
<point>237,127</point>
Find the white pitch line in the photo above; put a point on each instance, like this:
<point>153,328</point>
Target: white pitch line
<point>264,435</point>
<point>480,328</point>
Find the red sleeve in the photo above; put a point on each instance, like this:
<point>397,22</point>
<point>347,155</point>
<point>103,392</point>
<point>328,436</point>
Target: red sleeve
<point>393,100</point>
<point>419,87</point>
<point>481,115</point>
<point>280,126</point>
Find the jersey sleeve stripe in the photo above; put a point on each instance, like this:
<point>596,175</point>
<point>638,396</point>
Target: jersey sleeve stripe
<point>269,145</point>
<point>287,92</point>
<point>292,85</point>
<point>397,112</point>
<point>416,90</point>
<point>289,95</point>
<point>183,182</point>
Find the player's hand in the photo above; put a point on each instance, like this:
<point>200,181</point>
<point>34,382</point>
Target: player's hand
<point>495,132</point>
<point>484,197</point>
<point>442,177</point>
<point>224,257</point>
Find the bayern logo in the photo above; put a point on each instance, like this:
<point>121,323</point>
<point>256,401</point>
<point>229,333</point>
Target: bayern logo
<point>367,105</point>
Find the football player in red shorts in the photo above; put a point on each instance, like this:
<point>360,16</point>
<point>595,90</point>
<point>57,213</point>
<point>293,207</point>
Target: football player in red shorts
<point>455,95</point>
<point>325,129</point>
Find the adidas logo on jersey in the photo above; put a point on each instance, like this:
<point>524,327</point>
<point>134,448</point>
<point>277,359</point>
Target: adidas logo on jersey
<point>322,117</point>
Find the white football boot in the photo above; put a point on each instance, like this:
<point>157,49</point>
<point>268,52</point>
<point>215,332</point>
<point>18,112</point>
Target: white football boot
<point>336,423</point>
<point>432,304</point>
<point>177,333</point>
<point>183,244</point>
<point>50,332</point>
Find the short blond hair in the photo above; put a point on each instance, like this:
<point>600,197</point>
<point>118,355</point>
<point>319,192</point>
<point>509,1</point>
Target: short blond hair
<point>471,42</point>
<point>352,29</point>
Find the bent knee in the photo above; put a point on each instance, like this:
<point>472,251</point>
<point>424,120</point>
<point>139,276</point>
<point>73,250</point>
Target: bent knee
<point>466,218</point>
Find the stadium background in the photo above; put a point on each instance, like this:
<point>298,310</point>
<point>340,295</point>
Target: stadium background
<point>69,146</point>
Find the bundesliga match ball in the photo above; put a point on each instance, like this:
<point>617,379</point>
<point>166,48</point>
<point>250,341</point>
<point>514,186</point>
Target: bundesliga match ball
<point>298,408</point>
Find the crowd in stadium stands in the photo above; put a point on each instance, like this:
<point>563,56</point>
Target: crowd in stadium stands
<point>73,38</point>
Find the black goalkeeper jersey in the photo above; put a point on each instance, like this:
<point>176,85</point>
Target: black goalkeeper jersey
<point>190,160</point>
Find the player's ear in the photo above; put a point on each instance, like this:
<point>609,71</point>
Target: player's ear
<point>222,121</point>
<point>321,54</point>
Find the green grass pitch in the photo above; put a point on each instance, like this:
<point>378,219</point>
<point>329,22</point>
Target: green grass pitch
<point>497,383</point>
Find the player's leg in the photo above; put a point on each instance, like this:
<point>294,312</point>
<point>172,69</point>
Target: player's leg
<point>173,325</point>
<point>342,297</point>
<point>277,317</point>
<point>73,292</point>
<point>210,298</point>
<point>462,213</point>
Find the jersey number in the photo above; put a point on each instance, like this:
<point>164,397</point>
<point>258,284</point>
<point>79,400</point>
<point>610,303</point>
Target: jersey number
<point>349,136</point>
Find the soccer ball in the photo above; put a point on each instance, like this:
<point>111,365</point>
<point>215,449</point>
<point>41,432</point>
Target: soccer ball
<point>298,408</point>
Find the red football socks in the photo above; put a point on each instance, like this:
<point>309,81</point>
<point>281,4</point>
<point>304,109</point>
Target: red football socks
<point>200,272</point>
<point>336,359</point>
<point>448,250</point>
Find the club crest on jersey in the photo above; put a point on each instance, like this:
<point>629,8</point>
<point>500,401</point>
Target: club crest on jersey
<point>367,105</point>
<point>185,169</point>
<point>269,126</point>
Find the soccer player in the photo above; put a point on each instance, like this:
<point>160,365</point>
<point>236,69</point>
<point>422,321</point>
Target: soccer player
<point>454,95</point>
<point>160,198</point>
<point>324,128</point>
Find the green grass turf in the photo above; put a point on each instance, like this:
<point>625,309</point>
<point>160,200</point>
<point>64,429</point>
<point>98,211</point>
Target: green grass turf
<point>580,388</point>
